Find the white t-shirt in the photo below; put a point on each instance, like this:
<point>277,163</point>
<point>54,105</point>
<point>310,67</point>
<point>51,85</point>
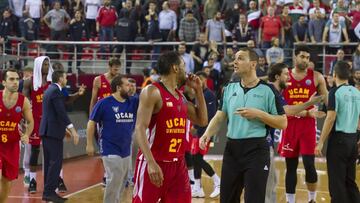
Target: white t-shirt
<point>34,8</point>
<point>18,7</point>
<point>92,7</point>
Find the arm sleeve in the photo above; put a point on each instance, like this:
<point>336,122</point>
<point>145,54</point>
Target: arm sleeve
<point>223,106</point>
<point>276,103</point>
<point>59,106</point>
<point>332,100</point>
<point>97,112</point>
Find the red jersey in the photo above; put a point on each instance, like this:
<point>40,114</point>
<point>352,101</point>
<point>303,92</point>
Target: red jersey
<point>166,132</point>
<point>271,26</point>
<point>105,88</point>
<point>9,120</point>
<point>300,91</point>
<point>36,98</point>
<point>107,16</point>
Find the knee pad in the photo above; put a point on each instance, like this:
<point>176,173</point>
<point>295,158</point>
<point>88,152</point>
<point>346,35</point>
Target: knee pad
<point>310,171</point>
<point>34,155</point>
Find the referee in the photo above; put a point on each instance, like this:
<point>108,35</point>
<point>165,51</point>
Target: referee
<point>342,122</point>
<point>248,107</point>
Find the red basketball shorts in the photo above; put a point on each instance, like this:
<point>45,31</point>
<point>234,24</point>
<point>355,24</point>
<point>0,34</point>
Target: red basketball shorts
<point>298,138</point>
<point>175,188</point>
<point>9,160</point>
<point>195,148</point>
<point>35,138</point>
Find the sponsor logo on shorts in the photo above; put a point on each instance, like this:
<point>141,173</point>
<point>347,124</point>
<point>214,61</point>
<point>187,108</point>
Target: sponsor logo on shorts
<point>287,147</point>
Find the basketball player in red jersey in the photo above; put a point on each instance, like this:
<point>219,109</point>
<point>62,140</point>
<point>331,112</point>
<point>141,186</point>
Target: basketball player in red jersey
<point>101,85</point>
<point>13,107</point>
<point>34,89</point>
<point>161,172</point>
<point>299,138</point>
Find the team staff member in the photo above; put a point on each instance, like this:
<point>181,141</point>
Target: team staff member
<point>341,124</point>
<point>116,115</point>
<point>249,106</point>
<point>13,107</point>
<point>299,138</point>
<point>160,131</point>
<point>53,125</point>
<point>279,77</point>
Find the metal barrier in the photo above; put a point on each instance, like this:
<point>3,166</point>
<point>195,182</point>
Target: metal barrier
<point>145,57</point>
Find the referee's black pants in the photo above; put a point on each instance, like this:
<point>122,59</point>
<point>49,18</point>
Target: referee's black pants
<point>246,164</point>
<point>342,152</point>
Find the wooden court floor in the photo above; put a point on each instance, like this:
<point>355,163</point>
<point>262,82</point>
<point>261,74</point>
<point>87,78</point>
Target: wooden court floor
<point>84,174</point>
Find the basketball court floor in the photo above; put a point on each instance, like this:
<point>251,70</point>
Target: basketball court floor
<point>83,175</point>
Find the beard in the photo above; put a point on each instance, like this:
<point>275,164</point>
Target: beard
<point>124,95</point>
<point>283,85</point>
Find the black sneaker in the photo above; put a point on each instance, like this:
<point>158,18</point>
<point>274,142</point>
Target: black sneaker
<point>104,182</point>
<point>61,187</point>
<point>32,186</point>
<point>312,201</point>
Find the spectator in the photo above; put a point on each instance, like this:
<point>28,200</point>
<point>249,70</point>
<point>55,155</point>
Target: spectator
<point>270,27</point>
<point>316,27</point>
<point>340,55</point>
<point>316,6</point>
<point>167,23</point>
<point>275,54</point>
<point>213,63</point>
<point>189,6</point>
<point>6,29</point>
<point>91,11</point>
<point>354,18</point>
<point>253,17</point>
<point>77,31</point>
<point>209,81</point>
<point>29,27</point>
<point>199,52</point>
<point>227,64</point>
<point>341,9</point>
<point>57,20</point>
<point>336,30</point>
<point>242,32</point>
<point>153,32</point>
<point>188,60</point>
<point>295,11</point>
<point>356,58</point>
<point>35,10</point>
<point>189,28</point>
<point>16,7</point>
<point>287,25</point>
<point>211,7</point>
<point>300,30</point>
<point>105,22</point>
<point>213,77</point>
<point>71,6</point>
<point>262,69</point>
<point>213,49</point>
<point>215,29</point>
<point>134,17</point>
<point>272,3</point>
<point>251,44</point>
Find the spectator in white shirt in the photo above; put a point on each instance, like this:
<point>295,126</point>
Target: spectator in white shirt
<point>91,11</point>
<point>188,60</point>
<point>167,23</point>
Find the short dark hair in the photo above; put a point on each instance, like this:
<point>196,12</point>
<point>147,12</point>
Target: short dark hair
<point>276,69</point>
<point>4,74</point>
<point>114,61</point>
<point>55,77</point>
<point>342,70</point>
<point>167,60</point>
<point>201,74</point>
<point>57,66</point>
<point>302,48</point>
<point>252,54</point>
<point>116,81</point>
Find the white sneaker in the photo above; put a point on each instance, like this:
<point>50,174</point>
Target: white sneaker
<point>198,192</point>
<point>216,192</point>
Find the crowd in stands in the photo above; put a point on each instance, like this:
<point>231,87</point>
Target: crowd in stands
<point>270,27</point>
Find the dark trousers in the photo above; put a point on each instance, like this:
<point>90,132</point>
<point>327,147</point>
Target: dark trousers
<point>341,158</point>
<point>53,157</point>
<point>246,164</point>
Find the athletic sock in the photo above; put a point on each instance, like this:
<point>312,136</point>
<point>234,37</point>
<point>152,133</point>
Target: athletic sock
<point>27,172</point>
<point>312,195</point>
<point>32,176</point>
<point>216,179</point>
<point>290,198</point>
<point>191,174</point>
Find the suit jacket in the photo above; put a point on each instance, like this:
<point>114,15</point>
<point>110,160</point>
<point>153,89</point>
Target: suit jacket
<point>54,118</point>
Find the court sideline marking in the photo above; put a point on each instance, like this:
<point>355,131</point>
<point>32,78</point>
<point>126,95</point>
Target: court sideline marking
<point>82,190</point>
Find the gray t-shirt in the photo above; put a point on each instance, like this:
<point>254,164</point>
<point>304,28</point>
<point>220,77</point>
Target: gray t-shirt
<point>58,19</point>
<point>274,53</point>
<point>216,28</point>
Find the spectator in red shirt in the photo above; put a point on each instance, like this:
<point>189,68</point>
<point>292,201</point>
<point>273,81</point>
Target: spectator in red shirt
<point>270,26</point>
<point>105,22</point>
<point>354,18</point>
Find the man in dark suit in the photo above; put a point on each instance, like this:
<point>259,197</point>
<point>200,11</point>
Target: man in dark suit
<point>54,123</point>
